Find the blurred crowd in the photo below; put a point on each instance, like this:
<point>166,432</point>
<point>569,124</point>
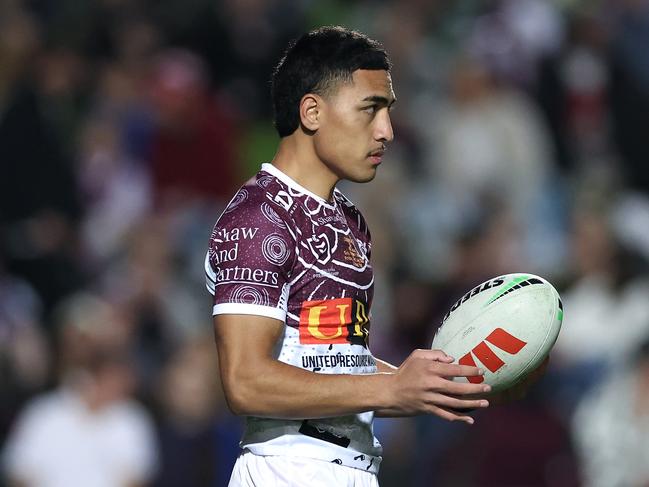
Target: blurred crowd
<point>521,145</point>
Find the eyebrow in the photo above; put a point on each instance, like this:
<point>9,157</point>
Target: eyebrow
<point>380,100</point>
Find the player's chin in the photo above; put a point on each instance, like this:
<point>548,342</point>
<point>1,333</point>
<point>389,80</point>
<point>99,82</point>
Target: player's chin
<point>363,176</point>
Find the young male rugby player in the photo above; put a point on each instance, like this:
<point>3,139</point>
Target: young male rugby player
<point>289,268</point>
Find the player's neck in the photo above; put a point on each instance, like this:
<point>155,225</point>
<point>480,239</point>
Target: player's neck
<point>298,160</point>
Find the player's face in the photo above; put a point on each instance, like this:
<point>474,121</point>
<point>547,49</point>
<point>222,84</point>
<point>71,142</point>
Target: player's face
<point>355,127</point>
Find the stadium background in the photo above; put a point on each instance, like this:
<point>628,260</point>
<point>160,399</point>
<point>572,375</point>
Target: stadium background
<point>521,145</point>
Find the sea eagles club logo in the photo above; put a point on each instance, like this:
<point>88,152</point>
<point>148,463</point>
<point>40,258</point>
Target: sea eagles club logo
<point>351,253</point>
<point>343,320</point>
<point>498,338</point>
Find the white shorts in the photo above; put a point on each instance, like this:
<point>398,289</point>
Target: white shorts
<point>282,471</point>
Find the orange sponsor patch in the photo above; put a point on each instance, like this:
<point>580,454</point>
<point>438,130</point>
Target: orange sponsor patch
<point>342,320</point>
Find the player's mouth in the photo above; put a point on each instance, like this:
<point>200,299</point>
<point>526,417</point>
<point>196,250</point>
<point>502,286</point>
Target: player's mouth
<point>376,156</point>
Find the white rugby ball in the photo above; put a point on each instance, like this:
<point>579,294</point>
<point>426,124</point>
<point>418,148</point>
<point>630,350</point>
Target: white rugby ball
<point>506,326</point>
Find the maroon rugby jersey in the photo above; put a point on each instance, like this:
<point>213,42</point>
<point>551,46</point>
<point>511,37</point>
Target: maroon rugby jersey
<point>281,251</point>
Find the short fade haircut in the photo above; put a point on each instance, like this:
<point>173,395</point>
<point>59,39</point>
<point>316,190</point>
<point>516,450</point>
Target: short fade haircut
<point>316,63</point>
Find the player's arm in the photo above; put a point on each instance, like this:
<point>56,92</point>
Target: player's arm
<point>256,384</point>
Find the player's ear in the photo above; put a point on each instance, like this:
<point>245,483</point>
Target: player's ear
<point>310,111</point>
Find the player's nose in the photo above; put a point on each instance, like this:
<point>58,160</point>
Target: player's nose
<point>383,128</point>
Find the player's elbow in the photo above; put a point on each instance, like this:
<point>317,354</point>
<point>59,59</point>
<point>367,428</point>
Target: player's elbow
<point>239,390</point>
<point>237,402</point>
<point>236,405</point>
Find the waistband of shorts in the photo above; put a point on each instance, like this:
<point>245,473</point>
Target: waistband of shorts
<point>305,446</point>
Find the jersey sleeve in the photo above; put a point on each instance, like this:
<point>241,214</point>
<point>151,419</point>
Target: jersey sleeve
<point>249,261</point>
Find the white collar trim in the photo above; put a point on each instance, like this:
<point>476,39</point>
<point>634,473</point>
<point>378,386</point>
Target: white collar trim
<point>269,168</point>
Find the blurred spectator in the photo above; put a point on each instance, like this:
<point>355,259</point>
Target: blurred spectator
<point>611,426</point>
<point>606,308</point>
<point>398,435</point>
<point>150,287</point>
<point>86,322</point>
<point>198,435</point>
<point>486,147</point>
<point>239,40</point>
<point>19,40</point>
<point>88,431</point>
<point>630,222</point>
<point>522,443</point>
<point>193,153</point>
<point>116,189</point>
<point>21,342</point>
<point>39,199</point>
<point>573,90</point>
<point>512,37</point>
<point>488,141</point>
<point>629,103</point>
<point>25,355</point>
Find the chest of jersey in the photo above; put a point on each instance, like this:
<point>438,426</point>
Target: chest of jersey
<point>332,279</point>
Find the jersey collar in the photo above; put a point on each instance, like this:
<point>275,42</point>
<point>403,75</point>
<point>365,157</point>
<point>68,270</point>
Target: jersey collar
<point>269,168</point>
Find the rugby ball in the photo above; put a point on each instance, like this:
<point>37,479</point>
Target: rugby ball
<point>506,326</point>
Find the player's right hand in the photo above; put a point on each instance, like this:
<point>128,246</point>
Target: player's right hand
<point>423,384</point>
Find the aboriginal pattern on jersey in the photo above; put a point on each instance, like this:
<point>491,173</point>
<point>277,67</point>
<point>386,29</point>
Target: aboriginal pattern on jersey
<point>282,252</point>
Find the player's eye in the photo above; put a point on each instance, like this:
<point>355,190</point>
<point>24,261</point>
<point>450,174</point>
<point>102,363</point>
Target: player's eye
<point>371,110</point>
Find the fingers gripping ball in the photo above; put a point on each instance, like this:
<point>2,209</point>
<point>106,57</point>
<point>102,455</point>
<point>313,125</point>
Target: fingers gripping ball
<point>506,325</point>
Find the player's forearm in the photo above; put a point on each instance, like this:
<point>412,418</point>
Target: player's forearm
<point>387,368</point>
<point>275,389</point>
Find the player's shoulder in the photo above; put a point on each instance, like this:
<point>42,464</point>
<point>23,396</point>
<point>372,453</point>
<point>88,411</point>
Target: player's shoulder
<point>254,214</point>
<point>259,196</point>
